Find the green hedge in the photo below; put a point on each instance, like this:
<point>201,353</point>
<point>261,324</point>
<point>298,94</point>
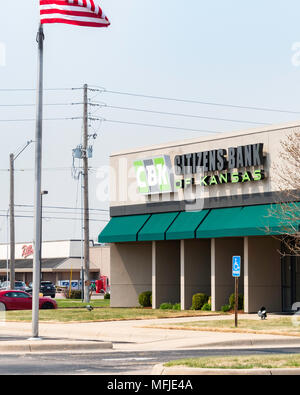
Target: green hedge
<point>225,308</point>
<point>240,302</point>
<point>145,299</point>
<point>206,307</point>
<point>170,306</point>
<point>166,306</point>
<point>199,300</point>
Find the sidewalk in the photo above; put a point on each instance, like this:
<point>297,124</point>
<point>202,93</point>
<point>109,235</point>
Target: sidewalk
<point>132,335</point>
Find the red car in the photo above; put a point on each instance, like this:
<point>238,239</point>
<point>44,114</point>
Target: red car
<point>19,300</point>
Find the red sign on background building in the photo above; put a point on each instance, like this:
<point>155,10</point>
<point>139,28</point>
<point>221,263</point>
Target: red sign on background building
<point>27,251</point>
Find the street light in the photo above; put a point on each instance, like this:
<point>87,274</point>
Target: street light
<point>41,238</point>
<point>12,159</point>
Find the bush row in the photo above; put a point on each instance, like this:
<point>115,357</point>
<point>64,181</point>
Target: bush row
<point>200,301</point>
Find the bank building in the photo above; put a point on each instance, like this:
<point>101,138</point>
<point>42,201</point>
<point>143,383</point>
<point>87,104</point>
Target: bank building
<point>181,211</point>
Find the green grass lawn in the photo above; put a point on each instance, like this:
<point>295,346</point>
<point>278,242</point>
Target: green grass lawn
<point>241,362</point>
<point>272,324</point>
<point>103,314</point>
<point>70,303</point>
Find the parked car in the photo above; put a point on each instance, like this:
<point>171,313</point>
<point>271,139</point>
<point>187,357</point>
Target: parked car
<point>19,285</point>
<point>19,300</point>
<point>47,289</point>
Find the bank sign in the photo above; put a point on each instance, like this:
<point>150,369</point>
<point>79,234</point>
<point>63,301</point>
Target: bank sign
<point>154,176</point>
<point>209,168</point>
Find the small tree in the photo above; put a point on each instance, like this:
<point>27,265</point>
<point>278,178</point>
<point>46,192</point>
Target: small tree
<point>288,181</point>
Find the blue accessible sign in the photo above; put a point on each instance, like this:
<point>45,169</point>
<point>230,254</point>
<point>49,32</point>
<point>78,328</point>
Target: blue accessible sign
<point>236,266</point>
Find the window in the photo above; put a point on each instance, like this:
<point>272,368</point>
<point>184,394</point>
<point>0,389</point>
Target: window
<point>16,295</point>
<point>21,295</point>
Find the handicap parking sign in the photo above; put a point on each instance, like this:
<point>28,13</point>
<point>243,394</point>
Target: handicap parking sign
<point>236,266</point>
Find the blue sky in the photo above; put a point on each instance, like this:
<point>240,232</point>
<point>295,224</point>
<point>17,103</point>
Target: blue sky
<point>218,51</point>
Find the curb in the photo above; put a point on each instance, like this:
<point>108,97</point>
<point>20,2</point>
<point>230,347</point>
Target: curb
<point>251,343</point>
<point>37,346</point>
<point>223,330</point>
<point>161,370</point>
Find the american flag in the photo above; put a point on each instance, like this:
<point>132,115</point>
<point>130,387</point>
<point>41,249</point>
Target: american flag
<point>73,12</point>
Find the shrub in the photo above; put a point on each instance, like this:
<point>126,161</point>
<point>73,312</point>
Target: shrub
<point>199,301</point>
<point>177,306</point>
<point>72,294</point>
<point>107,296</point>
<point>240,302</point>
<point>206,307</point>
<point>145,299</point>
<point>166,306</point>
<point>225,308</point>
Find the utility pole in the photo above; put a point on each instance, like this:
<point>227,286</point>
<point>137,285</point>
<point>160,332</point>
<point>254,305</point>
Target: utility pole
<point>86,269</point>
<point>12,221</point>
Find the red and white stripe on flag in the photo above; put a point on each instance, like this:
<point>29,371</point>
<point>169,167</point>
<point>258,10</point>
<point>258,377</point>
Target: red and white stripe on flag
<point>73,12</point>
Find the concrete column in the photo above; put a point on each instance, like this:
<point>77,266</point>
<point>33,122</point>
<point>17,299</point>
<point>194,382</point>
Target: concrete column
<point>246,274</point>
<point>182,275</point>
<point>131,272</point>
<point>195,270</point>
<point>213,273</point>
<point>222,251</point>
<point>154,306</point>
<point>263,280</point>
<point>167,272</point>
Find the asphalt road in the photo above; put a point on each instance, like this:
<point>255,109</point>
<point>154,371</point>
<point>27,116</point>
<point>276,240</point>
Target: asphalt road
<point>110,363</point>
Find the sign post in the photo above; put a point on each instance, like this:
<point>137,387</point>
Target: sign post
<point>236,273</point>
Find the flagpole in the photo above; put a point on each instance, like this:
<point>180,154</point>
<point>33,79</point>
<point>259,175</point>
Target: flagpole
<point>38,188</point>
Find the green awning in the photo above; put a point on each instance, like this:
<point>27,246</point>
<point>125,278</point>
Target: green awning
<point>259,220</point>
<point>185,225</point>
<point>270,219</point>
<point>219,222</point>
<point>157,226</point>
<point>123,229</point>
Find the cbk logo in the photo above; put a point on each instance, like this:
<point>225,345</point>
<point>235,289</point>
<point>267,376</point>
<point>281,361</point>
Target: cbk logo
<point>154,175</point>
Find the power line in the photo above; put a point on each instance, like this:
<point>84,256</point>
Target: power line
<point>177,114</point>
<point>48,169</point>
<point>34,90</point>
<point>104,90</point>
<point>154,125</point>
<point>33,105</point>
<point>56,218</point>
<point>255,108</point>
<point>59,212</point>
<point>61,207</point>
<point>45,119</point>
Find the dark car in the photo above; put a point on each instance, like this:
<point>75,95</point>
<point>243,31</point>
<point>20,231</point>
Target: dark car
<point>47,289</point>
